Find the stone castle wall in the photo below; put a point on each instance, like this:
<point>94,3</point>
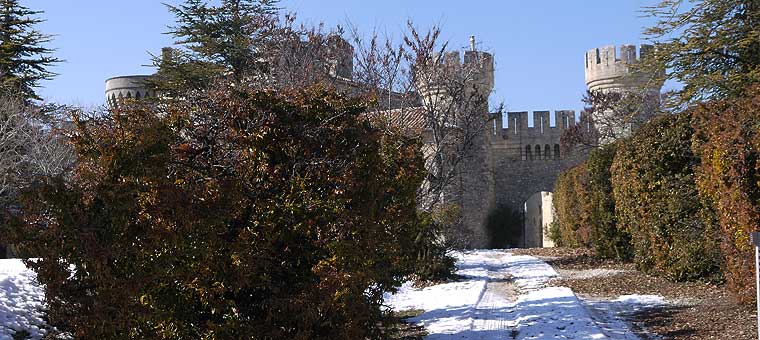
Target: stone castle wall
<point>529,159</point>
<point>510,165</point>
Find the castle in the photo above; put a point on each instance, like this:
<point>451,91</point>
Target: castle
<point>513,165</point>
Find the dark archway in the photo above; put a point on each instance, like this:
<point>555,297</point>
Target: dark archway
<point>504,228</point>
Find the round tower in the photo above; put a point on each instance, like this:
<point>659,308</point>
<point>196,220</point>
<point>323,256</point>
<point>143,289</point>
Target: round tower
<point>455,91</point>
<point>609,70</point>
<point>122,87</point>
<point>606,69</point>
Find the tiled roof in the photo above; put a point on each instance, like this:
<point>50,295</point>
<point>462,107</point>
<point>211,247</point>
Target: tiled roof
<point>409,120</point>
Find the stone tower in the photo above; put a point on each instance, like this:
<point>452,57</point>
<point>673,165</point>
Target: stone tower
<point>124,87</point>
<point>609,69</point>
<point>473,79</point>
<point>340,55</point>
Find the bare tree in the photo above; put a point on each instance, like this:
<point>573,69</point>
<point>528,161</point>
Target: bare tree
<point>611,115</point>
<point>424,89</point>
<point>31,148</point>
<point>414,85</point>
<point>429,92</point>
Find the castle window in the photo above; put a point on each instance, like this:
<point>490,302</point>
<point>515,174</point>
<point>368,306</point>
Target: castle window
<point>556,151</point>
<point>138,96</point>
<point>528,156</point>
<point>598,57</point>
<point>547,152</point>
<point>129,95</point>
<point>538,151</point>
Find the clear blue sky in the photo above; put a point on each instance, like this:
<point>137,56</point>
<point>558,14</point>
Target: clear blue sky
<point>538,44</point>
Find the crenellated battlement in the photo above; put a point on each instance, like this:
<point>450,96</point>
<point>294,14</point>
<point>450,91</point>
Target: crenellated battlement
<point>476,60</point>
<point>435,80</point>
<point>517,122</point>
<point>608,67</point>
<point>518,140</point>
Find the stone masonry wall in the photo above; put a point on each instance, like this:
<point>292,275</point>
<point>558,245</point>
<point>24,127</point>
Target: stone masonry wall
<point>521,164</point>
<point>511,165</point>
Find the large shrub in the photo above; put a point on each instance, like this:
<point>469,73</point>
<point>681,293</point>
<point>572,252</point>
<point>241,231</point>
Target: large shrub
<point>728,140</point>
<point>236,215</point>
<point>656,201</point>
<point>609,241</point>
<point>570,202</point>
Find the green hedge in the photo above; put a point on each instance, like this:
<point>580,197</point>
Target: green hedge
<point>657,202</point>
<point>610,241</point>
<point>681,196</point>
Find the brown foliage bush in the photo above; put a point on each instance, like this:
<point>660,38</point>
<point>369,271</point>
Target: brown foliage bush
<point>238,214</point>
<point>728,140</point>
<point>571,201</point>
<point>586,208</point>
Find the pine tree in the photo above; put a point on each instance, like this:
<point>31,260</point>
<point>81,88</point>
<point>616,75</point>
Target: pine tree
<point>24,60</point>
<point>711,46</point>
<point>228,39</point>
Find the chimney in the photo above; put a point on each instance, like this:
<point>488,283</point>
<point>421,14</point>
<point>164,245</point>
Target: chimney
<point>167,55</point>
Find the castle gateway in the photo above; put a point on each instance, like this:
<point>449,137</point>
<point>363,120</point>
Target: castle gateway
<point>504,187</point>
<point>508,182</point>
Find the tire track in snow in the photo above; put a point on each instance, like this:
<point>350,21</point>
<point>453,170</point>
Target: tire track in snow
<point>503,296</point>
<point>492,313</point>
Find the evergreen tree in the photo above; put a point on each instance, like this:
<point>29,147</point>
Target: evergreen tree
<point>228,39</point>
<point>711,46</point>
<point>24,60</point>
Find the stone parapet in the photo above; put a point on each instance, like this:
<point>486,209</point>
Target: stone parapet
<point>125,87</point>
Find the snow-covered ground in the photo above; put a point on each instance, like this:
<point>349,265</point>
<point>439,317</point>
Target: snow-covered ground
<point>508,297</point>
<point>503,296</point>
<point>21,301</point>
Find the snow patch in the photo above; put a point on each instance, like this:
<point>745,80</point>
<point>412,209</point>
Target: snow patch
<point>529,272</point>
<point>650,300</point>
<point>554,313</point>
<point>480,308</point>
<point>438,297</point>
<point>22,301</point>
